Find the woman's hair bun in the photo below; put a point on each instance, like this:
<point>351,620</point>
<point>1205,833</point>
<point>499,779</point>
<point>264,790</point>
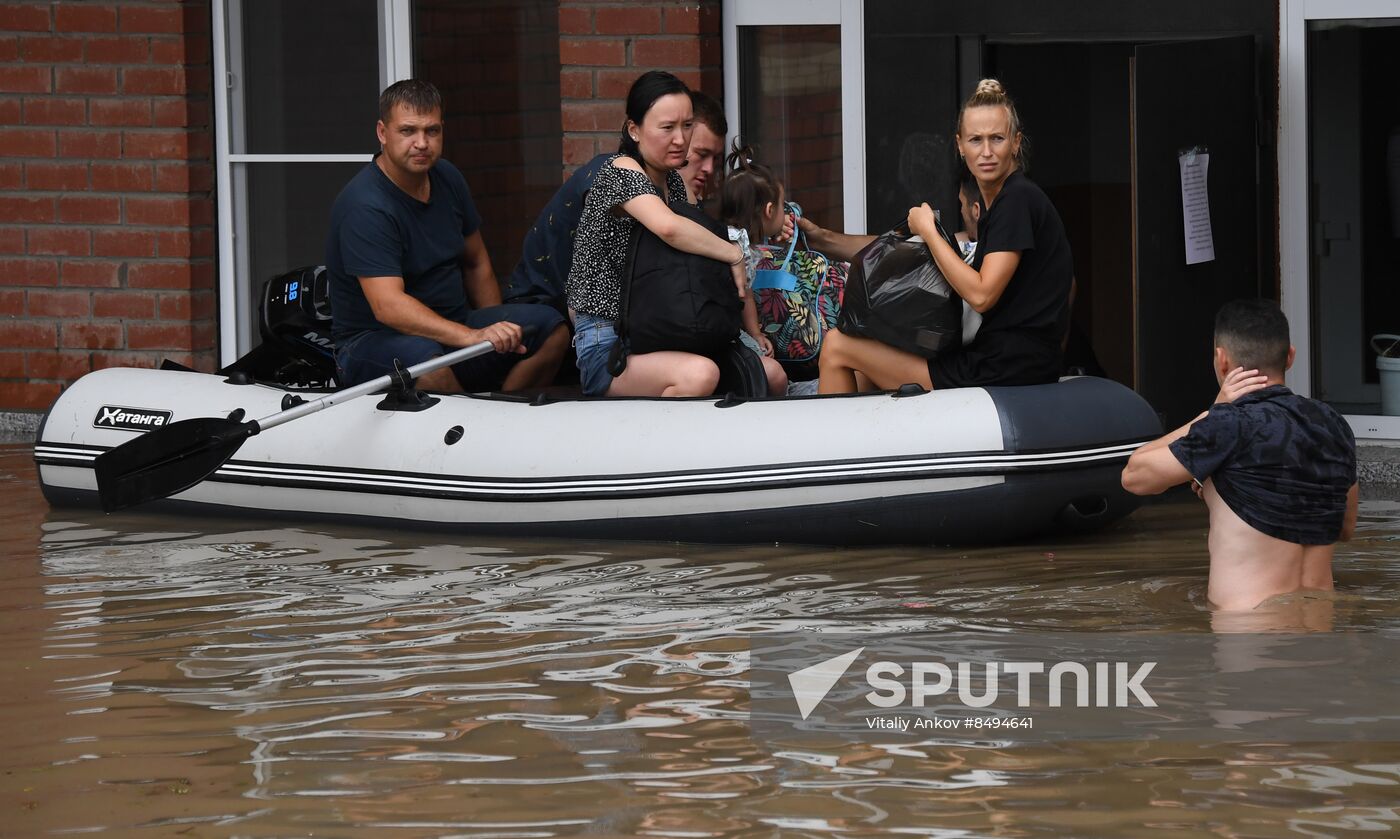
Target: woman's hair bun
<point>990,87</point>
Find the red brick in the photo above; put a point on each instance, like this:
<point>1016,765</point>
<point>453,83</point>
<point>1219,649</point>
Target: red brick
<point>84,209</point>
<point>12,240</point>
<point>118,49</point>
<point>614,84</point>
<point>91,335</point>
<point>159,336</point>
<point>29,396</point>
<point>166,81</point>
<point>178,113</point>
<point>59,365</point>
<point>186,306</point>
<point>182,177</point>
<point>592,116</point>
<point>174,243</point>
<point>44,48</point>
<point>138,305</point>
<point>682,20</point>
<point>85,17</point>
<point>121,177</point>
<point>26,209</point>
<point>601,53</point>
<point>185,51</point>
<point>9,48</point>
<point>56,176</point>
<point>60,304</point>
<point>11,301</point>
<point>20,142</point>
<point>22,272</point>
<point>91,274</point>
<point>160,275</point>
<point>21,79</point>
<point>575,22</point>
<point>579,150</point>
<point>51,111</point>
<point>27,333</point>
<point>25,17</point>
<point>666,52</point>
<point>160,145</point>
<point>85,79</point>
<point>103,360</point>
<point>12,361</point>
<point>140,243</point>
<point>9,110</point>
<point>120,112</point>
<point>576,84</point>
<point>90,144</point>
<point>627,20</point>
<point>60,241</point>
<point>151,19</point>
<point>169,212</point>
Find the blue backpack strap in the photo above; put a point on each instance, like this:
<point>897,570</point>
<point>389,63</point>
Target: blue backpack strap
<point>780,278</point>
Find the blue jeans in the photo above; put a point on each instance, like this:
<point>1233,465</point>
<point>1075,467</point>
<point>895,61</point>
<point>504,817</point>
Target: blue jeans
<point>371,354</point>
<point>594,338</point>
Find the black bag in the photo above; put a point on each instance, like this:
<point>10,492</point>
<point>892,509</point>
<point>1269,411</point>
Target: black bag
<point>672,300</point>
<point>896,295</point>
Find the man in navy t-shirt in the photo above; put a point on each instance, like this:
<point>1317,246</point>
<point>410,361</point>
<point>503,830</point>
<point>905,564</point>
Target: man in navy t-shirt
<point>1277,470</point>
<point>410,278</point>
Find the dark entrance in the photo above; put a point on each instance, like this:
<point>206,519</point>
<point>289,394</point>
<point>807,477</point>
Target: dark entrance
<point>1093,81</point>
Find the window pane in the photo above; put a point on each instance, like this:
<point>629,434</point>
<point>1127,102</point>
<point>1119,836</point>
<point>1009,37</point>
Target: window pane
<point>289,207</point>
<point>791,110</point>
<point>310,76</point>
<point>497,65</point>
<point>1354,177</point>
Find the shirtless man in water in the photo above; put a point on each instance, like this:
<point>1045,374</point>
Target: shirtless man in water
<point>1277,470</point>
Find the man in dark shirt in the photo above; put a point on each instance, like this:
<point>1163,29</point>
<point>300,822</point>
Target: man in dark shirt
<point>410,278</point>
<point>1277,470</point>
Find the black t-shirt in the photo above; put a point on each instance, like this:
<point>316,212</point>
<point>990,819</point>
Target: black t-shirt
<point>1282,462</point>
<point>1035,302</point>
<point>378,230</point>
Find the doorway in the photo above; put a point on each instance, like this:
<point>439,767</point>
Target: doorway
<point>1115,138</point>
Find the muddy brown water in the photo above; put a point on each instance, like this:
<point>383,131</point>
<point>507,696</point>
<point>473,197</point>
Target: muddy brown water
<point>199,677</point>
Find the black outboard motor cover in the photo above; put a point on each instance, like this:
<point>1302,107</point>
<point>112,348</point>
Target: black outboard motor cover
<point>295,325</point>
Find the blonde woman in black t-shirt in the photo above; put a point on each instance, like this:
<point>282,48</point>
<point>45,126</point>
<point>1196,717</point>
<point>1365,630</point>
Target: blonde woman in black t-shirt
<point>1019,278</point>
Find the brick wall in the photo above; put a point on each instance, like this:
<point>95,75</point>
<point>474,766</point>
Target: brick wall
<point>497,65</point>
<point>604,46</point>
<point>106,180</point>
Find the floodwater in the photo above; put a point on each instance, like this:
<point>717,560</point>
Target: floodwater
<point>200,678</point>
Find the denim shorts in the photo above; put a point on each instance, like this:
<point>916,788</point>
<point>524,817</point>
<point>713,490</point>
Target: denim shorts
<point>594,338</point>
<point>371,354</point>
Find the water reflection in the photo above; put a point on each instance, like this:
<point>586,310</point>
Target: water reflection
<point>218,677</point>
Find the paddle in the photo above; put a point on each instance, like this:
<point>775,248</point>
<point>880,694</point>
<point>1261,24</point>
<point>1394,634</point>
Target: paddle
<point>172,459</point>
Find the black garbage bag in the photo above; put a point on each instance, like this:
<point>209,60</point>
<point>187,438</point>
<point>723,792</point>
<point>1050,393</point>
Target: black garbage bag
<point>896,295</point>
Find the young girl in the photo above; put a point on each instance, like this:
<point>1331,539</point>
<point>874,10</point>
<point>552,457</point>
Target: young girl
<point>751,203</point>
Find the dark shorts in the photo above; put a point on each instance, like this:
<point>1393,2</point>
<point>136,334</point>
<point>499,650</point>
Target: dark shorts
<point>369,355</point>
<point>997,358</point>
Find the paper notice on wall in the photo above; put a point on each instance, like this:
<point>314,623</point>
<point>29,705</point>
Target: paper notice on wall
<point>1195,207</point>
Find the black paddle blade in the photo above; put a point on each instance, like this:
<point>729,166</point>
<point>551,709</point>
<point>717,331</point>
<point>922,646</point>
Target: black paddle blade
<point>167,460</point>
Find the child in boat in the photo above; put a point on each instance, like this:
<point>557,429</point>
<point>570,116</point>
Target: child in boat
<point>1277,470</point>
<point>751,203</point>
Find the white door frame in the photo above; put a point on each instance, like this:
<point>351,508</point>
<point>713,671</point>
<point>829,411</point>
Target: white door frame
<point>850,16</point>
<point>1294,232</point>
<point>236,326</point>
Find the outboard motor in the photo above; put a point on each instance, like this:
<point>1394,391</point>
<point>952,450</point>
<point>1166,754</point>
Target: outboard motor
<point>295,323</point>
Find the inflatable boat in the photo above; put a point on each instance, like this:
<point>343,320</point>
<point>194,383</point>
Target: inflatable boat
<point>956,466</point>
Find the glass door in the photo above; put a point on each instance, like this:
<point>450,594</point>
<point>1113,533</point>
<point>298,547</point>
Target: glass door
<point>294,122</point>
<point>1340,206</point>
<point>794,87</point>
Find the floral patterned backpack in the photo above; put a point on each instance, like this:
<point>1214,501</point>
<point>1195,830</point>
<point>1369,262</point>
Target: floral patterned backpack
<point>798,292</point>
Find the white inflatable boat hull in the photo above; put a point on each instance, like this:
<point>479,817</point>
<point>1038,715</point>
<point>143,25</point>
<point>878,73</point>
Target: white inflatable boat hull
<point>966,465</point>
